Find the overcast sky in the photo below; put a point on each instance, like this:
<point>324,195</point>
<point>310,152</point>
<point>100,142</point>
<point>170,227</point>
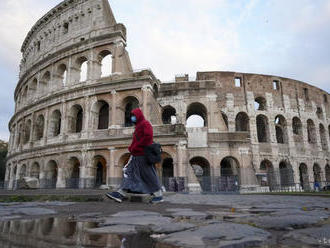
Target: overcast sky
<point>287,38</point>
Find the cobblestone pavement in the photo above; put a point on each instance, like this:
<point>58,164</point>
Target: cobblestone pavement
<point>187,220</point>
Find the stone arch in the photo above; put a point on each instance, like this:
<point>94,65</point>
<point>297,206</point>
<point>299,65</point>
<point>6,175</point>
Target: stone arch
<point>260,103</point>
<point>166,174</point>
<point>73,173</point>
<point>286,174</point>
<point>266,167</point>
<point>229,174</point>
<point>39,128</point>
<point>311,132</point>
<point>22,171</point>
<point>303,176</point>
<point>168,114</point>
<point>297,130</point>
<point>323,136</point>
<point>35,170</point>
<point>281,129</point>
<point>100,168</point>
<point>130,103</point>
<point>202,171</point>
<point>75,119</point>
<point>55,123</point>
<point>105,60</point>
<point>44,82</point>
<point>263,129</point>
<point>100,115</point>
<point>123,160</point>
<point>319,112</point>
<point>196,109</point>
<point>82,66</point>
<point>242,122</point>
<point>33,88</point>
<point>27,131</point>
<point>327,173</point>
<point>51,173</point>
<point>317,173</point>
<point>62,74</point>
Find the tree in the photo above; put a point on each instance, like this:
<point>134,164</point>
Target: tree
<point>3,154</point>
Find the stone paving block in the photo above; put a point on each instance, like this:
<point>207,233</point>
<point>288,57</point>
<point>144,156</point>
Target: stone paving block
<point>115,229</point>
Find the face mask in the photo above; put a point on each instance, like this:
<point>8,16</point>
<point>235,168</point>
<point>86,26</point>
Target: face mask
<point>133,118</point>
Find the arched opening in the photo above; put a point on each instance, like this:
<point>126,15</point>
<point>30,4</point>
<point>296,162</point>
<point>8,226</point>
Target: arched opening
<point>311,132</point>
<point>100,165</point>
<point>25,94</point>
<point>82,64</point>
<point>51,172</point>
<point>201,169</point>
<point>69,229</point>
<point>167,173</point>
<point>100,115</point>
<point>303,174</point>
<point>323,137</point>
<point>229,174</point>
<point>242,122</point>
<point>35,170</point>
<point>327,173</point>
<point>46,225</point>
<point>27,131</point>
<point>225,119</point>
<point>130,103</point>
<point>106,63</point>
<point>196,115</point>
<point>267,176</point>
<point>62,74</point>
<point>33,88</point>
<point>44,82</point>
<point>262,129</point>
<point>319,112</point>
<point>39,128</point>
<point>297,130</point>
<point>317,173</point>
<point>72,180</point>
<point>281,130</point>
<point>22,171</point>
<point>286,174</point>
<point>55,123</point>
<point>169,115</point>
<point>76,119</point>
<point>260,103</point>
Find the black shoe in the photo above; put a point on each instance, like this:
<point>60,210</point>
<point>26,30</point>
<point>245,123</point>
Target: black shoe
<point>156,199</point>
<point>115,196</point>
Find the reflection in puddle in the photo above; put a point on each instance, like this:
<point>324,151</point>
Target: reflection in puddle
<point>59,232</point>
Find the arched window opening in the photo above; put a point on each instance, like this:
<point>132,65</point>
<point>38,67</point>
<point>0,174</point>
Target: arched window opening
<point>201,169</point>
<point>262,129</point>
<point>100,166</point>
<point>194,110</point>
<point>169,115</point>
<point>73,173</point>
<point>297,126</point>
<point>82,64</point>
<point>229,174</point>
<point>76,119</point>
<point>51,173</point>
<point>44,82</point>
<point>317,173</point>
<point>319,112</point>
<point>25,94</point>
<point>242,122</point>
<point>281,130</point>
<point>130,103</point>
<point>304,180</point>
<point>104,116</point>
<point>27,131</point>
<point>106,63</point>
<point>323,137</point>
<point>22,171</point>
<point>35,170</point>
<point>62,73</point>
<point>311,132</point>
<point>267,176</point>
<point>286,174</point>
<point>33,88</point>
<point>260,103</point>
<point>55,123</point>
<point>327,173</point>
<point>39,128</point>
<point>225,119</point>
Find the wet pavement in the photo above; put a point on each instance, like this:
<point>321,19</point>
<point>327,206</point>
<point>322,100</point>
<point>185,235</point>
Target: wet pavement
<point>183,220</point>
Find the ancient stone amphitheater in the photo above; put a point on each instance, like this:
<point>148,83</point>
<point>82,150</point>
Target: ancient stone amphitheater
<point>76,88</point>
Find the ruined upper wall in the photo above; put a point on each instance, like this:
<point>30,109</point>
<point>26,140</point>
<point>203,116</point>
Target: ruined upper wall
<point>70,22</point>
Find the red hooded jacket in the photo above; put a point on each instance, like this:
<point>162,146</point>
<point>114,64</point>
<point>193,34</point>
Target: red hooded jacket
<point>143,134</point>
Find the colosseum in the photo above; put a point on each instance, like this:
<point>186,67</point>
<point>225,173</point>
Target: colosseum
<point>76,88</point>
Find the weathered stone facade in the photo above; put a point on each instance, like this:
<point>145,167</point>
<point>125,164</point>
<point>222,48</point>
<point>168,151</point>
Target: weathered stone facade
<point>71,125</point>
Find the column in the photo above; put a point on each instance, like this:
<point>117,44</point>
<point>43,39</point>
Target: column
<point>114,123</point>
<point>182,165</point>
<point>145,90</point>
<point>112,180</point>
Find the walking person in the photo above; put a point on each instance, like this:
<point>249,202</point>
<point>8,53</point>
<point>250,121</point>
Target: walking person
<point>139,175</point>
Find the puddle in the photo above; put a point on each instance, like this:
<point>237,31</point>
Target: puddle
<point>60,232</point>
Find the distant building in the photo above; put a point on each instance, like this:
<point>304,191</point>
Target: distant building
<point>76,88</point>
